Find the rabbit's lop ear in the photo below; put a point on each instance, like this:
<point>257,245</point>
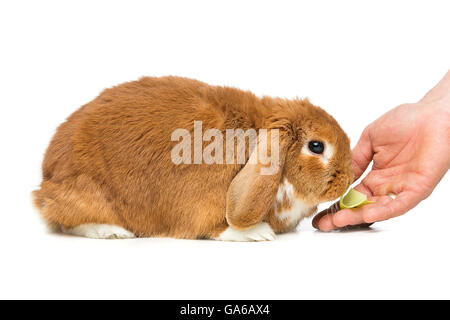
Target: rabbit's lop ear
<point>252,192</point>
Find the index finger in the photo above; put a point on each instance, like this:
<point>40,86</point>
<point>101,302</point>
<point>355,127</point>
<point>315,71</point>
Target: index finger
<point>331,210</point>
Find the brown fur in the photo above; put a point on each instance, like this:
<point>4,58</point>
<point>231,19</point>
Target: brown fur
<point>110,161</point>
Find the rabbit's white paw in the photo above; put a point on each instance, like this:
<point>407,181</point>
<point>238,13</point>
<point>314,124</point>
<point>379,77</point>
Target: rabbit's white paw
<point>99,231</point>
<point>261,232</point>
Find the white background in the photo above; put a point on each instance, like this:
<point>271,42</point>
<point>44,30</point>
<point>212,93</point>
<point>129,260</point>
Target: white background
<point>354,58</point>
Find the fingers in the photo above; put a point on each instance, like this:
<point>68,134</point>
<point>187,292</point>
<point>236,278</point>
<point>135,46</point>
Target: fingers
<point>362,154</point>
<point>387,208</point>
<point>325,224</point>
<point>334,218</point>
<point>341,219</point>
<point>348,217</point>
<point>384,208</point>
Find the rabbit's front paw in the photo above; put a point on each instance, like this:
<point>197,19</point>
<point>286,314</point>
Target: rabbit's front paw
<point>260,232</point>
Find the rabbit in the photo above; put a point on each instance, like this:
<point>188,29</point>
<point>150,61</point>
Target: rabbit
<point>109,173</point>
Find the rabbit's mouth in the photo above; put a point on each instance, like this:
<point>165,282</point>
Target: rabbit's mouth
<point>336,187</point>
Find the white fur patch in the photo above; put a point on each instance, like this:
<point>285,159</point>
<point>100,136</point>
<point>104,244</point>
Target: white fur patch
<point>261,232</point>
<point>99,231</point>
<point>324,157</point>
<point>298,209</point>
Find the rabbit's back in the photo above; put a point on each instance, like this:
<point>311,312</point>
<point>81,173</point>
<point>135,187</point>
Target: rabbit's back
<point>119,145</point>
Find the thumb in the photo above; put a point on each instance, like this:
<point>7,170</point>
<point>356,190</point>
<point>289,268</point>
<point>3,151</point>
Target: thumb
<point>362,154</point>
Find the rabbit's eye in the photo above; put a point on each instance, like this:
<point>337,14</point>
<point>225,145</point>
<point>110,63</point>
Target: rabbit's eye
<point>316,147</point>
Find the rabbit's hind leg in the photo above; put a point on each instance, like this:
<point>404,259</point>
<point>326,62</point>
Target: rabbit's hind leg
<point>99,231</point>
<point>79,206</point>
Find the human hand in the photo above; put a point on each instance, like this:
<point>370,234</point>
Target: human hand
<point>410,150</point>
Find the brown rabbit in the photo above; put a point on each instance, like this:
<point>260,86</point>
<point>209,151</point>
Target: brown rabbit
<point>109,170</point>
